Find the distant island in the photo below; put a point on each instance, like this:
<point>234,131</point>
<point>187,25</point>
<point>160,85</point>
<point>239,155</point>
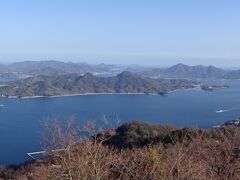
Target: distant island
<point>21,70</point>
<point>72,84</point>
<point>199,71</point>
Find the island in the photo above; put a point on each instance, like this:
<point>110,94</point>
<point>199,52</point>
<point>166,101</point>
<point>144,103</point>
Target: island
<point>74,84</point>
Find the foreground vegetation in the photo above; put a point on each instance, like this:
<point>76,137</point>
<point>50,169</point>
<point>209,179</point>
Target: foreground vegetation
<point>135,150</point>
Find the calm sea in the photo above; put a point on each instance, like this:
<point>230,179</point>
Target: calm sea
<point>21,121</point>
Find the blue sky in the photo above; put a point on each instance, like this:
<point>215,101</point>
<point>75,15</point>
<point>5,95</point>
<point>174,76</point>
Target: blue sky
<point>151,32</point>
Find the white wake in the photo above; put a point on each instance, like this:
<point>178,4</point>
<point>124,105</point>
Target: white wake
<point>227,110</point>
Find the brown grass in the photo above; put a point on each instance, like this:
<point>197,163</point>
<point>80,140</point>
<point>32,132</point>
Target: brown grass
<point>197,155</point>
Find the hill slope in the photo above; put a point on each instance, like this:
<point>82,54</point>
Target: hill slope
<point>137,150</point>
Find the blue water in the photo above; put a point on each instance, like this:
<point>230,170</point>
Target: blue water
<point>21,121</point>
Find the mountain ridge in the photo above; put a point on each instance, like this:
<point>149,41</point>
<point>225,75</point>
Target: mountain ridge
<point>181,70</point>
<point>53,67</point>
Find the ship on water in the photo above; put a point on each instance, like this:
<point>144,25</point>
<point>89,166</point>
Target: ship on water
<point>220,111</point>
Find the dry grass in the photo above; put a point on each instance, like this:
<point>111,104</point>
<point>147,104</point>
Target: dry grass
<point>192,156</point>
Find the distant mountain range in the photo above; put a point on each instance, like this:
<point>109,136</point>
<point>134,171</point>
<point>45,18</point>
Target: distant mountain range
<point>125,82</point>
<point>52,67</point>
<point>195,71</point>
<point>184,71</point>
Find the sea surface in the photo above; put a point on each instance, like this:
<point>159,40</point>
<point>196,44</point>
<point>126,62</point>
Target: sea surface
<point>22,120</point>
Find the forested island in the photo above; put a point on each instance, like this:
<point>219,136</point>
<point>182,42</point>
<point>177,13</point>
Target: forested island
<point>72,84</point>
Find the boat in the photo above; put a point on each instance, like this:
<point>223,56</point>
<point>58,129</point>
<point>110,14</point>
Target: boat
<point>220,111</point>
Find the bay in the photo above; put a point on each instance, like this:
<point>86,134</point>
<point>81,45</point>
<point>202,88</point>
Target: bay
<point>21,120</point>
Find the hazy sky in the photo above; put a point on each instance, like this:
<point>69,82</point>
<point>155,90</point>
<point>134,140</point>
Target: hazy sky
<point>121,32</point>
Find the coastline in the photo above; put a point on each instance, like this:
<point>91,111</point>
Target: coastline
<point>91,94</point>
<point>186,89</point>
<point>69,95</point>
